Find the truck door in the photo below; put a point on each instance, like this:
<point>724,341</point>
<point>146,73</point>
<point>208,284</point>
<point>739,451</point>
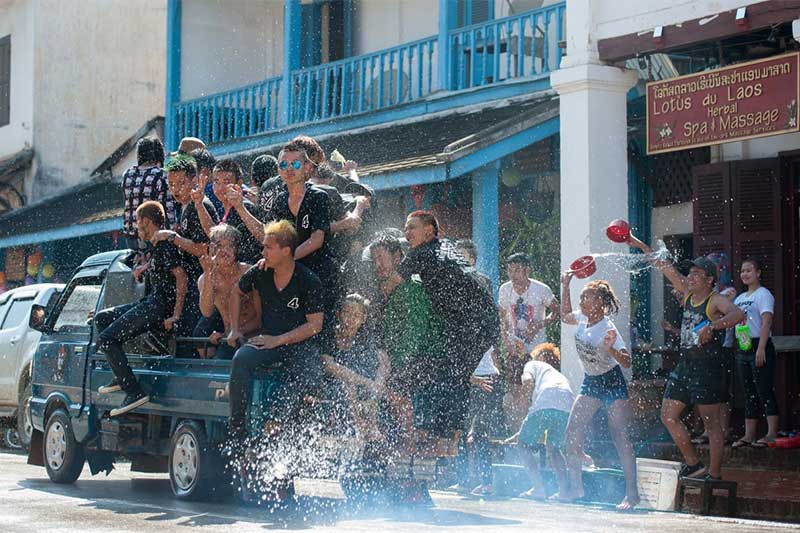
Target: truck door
<point>61,357</point>
<point>12,336</point>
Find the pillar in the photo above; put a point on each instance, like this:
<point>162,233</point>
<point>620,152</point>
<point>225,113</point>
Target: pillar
<point>292,44</point>
<point>448,14</point>
<point>173,74</point>
<point>486,220</point>
<point>594,171</point>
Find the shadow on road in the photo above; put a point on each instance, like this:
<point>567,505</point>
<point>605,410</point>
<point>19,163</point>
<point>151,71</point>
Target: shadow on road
<point>153,498</point>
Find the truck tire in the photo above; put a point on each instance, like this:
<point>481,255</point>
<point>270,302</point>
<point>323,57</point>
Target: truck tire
<point>63,456</point>
<point>195,467</point>
<point>24,423</point>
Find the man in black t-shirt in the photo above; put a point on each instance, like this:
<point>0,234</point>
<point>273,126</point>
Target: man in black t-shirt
<point>162,308</point>
<point>291,316</point>
<point>227,185</point>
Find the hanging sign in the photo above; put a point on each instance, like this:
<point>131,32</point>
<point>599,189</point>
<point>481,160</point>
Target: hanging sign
<point>743,101</point>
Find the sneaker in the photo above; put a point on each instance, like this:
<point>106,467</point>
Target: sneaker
<point>696,470</point>
<point>132,401</point>
<point>112,386</point>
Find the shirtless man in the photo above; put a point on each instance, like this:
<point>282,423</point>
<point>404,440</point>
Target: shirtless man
<point>221,273</point>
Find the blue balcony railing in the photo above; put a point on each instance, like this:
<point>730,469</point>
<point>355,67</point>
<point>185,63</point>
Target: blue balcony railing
<point>232,114</point>
<point>519,46</point>
<point>524,45</point>
<point>364,83</point>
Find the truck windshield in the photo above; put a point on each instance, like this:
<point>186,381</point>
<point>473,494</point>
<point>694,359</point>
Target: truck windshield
<point>81,300</point>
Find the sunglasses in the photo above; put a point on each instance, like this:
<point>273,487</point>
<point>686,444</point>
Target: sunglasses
<point>296,164</point>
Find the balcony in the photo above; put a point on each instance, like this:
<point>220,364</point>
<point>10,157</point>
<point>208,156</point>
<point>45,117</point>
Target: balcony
<point>464,61</point>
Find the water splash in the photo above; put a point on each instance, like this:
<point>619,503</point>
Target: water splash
<point>636,263</point>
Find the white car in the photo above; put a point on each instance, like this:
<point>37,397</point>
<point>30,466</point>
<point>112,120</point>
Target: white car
<point>17,344</point>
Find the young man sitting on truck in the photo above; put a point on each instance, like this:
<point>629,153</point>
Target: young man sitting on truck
<point>221,275</point>
<point>161,308</point>
<point>291,316</point>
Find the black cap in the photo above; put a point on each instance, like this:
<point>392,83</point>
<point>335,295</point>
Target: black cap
<point>263,168</point>
<point>707,265</point>
<point>359,189</point>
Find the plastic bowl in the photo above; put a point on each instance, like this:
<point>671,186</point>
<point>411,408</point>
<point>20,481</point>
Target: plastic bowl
<point>583,267</point>
<point>618,230</point>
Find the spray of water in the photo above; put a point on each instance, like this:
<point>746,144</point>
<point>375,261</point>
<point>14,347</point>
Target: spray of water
<point>636,263</point>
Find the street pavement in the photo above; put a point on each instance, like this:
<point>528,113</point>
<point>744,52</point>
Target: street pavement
<point>131,501</point>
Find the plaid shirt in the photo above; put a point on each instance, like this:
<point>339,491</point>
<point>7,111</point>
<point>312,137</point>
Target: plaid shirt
<point>141,185</point>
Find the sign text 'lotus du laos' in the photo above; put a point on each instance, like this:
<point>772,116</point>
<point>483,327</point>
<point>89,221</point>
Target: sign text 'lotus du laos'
<point>743,101</point>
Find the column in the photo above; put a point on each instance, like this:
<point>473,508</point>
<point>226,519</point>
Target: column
<point>594,177</point>
<point>292,41</point>
<point>173,74</point>
<point>486,220</point>
<point>448,13</point>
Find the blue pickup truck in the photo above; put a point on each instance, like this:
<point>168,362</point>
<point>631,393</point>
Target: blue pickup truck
<point>180,430</point>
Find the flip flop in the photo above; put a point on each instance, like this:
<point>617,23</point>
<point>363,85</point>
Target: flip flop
<point>742,444</point>
<point>762,443</point>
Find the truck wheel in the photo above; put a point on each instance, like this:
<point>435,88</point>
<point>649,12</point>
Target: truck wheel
<point>24,423</point>
<point>195,467</point>
<point>63,455</point>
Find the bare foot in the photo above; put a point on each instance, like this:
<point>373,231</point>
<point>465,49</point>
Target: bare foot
<point>567,497</point>
<point>628,503</point>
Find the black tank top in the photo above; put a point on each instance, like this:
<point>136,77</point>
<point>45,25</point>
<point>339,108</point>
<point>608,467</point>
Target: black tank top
<point>695,318</point>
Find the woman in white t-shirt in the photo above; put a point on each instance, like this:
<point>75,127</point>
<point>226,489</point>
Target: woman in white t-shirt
<point>601,351</point>
<point>755,364</point>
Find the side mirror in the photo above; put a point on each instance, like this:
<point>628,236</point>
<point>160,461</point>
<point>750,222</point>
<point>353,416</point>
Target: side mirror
<point>37,318</point>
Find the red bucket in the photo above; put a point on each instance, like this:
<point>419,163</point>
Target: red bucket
<point>583,267</point>
<point>618,230</point>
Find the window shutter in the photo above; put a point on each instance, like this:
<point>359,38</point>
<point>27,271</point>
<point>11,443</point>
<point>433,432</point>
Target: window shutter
<point>712,209</point>
<point>757,230</point>
<point>5,80</point>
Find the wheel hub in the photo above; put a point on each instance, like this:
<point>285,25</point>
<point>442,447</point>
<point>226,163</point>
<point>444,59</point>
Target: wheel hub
<point>56,445</point>
<point>184,461</point>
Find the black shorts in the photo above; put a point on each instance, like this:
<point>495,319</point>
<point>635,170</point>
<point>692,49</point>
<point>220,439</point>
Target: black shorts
<point>700,381</point>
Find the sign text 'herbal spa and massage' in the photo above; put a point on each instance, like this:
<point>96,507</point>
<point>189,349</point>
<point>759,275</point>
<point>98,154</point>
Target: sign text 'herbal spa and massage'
<point>743,101</point>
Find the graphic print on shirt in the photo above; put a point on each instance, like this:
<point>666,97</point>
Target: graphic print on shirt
<point>294,303</point>
<point>523,315</point>
<point>586,351</point>
<point>693,320</point>
<point>305,222</point>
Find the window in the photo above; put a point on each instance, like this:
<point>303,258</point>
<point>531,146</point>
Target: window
<point>81,299</point>
<point>4,308</point>
<point>5,80</point>
<point>17,313</point>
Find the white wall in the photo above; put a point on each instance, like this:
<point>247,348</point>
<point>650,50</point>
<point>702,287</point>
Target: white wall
<point>229,43</point>
<point>675,219</point>
<point>16,19</point>
<point>763,147</point>
<point>613,18</point>
<point>379,24</point>
<point>99,76</point>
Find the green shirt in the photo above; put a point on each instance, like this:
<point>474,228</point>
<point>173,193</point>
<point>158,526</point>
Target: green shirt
<point>410,327</point>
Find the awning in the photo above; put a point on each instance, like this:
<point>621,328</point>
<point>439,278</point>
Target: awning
<point>86,209</point>
<point>18,161</point>
<point>448,146</point>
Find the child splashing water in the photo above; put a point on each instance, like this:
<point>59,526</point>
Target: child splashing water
<point>551,401</point>
<point>601,351</point>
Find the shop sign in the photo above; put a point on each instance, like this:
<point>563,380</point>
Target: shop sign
<point>743,101</point>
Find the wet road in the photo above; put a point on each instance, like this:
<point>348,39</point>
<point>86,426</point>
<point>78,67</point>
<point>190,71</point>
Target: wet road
<point>135,502</point>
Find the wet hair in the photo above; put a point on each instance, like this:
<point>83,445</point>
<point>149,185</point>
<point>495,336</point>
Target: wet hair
<point>325,172</point>
<point>150,150</point>
<point>284,233</point>
<point>205,159</point>
<point>182,163</point>
<point>311,147</point>
<point>229,165</point>
<point>757,264</point>
<point>152,211</point>
<point>226,231</point>
<point>518,259</point>
<point>606,294</point>
<point>547,352</point>
<point>263,168</point>
<point>469,246</point>
<point>388,242</point>
<point>427,218</point>
<point>356,298</point>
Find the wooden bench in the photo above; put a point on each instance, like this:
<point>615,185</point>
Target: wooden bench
<point>707,487</point>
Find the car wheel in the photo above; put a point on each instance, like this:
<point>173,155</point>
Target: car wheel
<point>195,467</point>
<point>24,422</point>
<point>63,455</point>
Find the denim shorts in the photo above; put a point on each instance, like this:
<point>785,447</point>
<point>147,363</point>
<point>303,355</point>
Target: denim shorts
<point>608,387</point>
<point>550,422</point>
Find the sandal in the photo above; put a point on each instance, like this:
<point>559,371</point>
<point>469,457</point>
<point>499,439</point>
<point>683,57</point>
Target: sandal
<point>762,443</point>
<point>741,443</point>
